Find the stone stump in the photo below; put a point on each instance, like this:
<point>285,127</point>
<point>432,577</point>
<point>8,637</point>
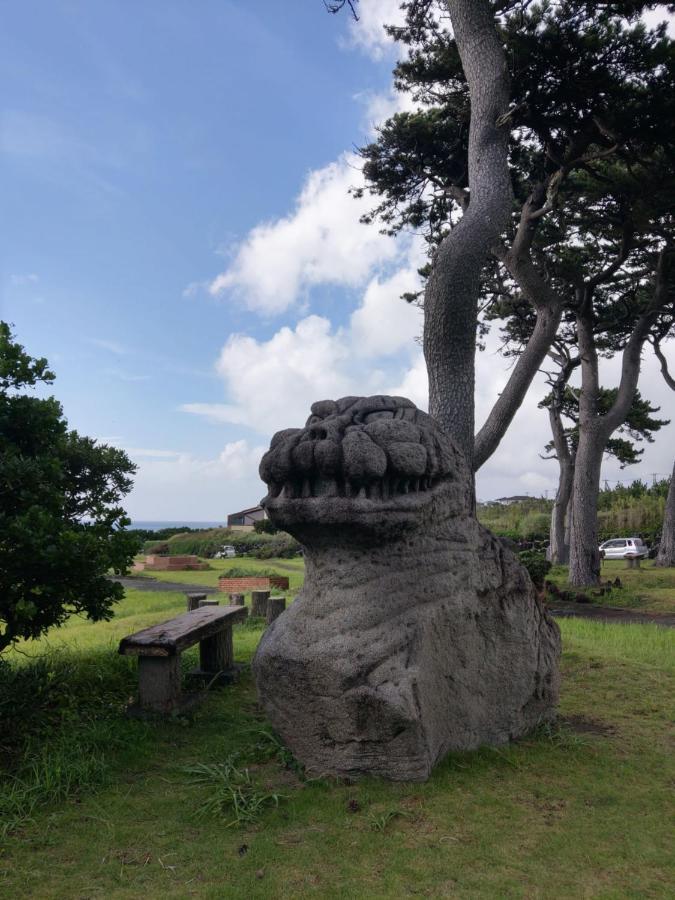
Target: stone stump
<point>194,600</point>
<point>275,607</point>
<point>259,603</point>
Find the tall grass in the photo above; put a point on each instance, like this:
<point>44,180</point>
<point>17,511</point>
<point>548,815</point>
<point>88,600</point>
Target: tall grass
<point>61,727</point>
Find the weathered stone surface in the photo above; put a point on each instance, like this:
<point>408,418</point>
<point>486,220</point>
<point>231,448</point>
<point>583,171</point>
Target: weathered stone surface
<point>416,632</point>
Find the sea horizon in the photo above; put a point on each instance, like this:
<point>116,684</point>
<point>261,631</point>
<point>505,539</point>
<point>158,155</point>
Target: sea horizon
<point>157,524</point>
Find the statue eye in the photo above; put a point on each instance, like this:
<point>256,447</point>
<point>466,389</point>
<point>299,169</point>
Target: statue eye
<point>380,414</point>
<point>313,420</point>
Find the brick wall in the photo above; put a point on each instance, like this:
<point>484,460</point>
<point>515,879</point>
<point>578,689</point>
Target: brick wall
<point>164,563</point>
<point>252,583</point>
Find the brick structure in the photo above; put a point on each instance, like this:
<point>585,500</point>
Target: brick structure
<point>173,563</point>
<point>252,583</point>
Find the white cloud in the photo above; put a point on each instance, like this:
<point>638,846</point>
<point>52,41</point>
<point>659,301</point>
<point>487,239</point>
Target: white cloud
<point>171,485</point>
<point>271,383</point>
<point>368,33</point>
<point>384,323</point>
<point>414,383</point>
<point>654,17</point>
<point>320,242</point>
<point>378,107</point>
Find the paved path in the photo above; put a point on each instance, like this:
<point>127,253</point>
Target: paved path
<point>611,614</point>
<point>154,584</point>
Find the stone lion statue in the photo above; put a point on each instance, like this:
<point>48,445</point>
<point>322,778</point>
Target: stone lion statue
<point>416,632</point>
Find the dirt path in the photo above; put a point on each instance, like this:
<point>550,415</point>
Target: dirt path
<point>153,584</point>
<point>610,614</point>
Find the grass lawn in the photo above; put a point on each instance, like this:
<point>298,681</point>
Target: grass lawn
<point>579,811</point>
<point>648,588</point>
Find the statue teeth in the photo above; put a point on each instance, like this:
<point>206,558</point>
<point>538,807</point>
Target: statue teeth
<point>320,486</point>
<point>325,487</point>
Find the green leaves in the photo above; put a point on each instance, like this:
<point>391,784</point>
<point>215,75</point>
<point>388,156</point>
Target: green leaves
<point>17,369</point>
<point>61,523</point>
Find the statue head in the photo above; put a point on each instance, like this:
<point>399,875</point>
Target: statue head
<point>375,464</point>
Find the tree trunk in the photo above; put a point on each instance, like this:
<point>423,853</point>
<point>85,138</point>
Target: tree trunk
<point>595,430</point>
<point>593,433</point>
<point>560,548</point>
<point>568,525</point>
<point>584,553</point>
<point>666,555</point>
<point>559,538</point>
<point>451,297</point>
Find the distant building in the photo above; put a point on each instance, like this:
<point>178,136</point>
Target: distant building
<point>245,519</point>
<point>507,501</point>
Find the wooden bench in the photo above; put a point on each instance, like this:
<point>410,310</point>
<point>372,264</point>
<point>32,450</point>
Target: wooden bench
<point>159,647</point>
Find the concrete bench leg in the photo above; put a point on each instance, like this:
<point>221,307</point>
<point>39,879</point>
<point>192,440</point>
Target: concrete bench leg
<point>216,657</point>
<point>216,653</point>
<point>159,683</point>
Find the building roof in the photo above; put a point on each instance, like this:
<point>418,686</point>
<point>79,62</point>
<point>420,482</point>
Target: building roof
<point>243,512</point>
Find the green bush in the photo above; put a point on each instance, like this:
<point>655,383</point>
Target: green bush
<point>265,526</point>
<point>537,565</point>
<point>241,572</point>
<point>248,543</point>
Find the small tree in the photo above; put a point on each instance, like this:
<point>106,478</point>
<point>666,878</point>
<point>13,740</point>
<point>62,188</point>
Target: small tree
<point>563,403</point>
<point>61,526</point>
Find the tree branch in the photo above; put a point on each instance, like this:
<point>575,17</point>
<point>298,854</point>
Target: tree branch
<point>509,401</point>
<point>630,363</point>
<point>670,381</point>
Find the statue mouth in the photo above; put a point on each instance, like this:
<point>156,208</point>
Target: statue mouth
<point>334,502</point>
<point>382,489</point>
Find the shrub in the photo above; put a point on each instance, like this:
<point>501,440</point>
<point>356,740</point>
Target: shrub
<point>265,526</point>
<point>241,572</point>
<point>537,565</point>
<point>61,526</point>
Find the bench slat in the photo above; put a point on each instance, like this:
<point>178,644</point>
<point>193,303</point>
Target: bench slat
<point>172,637</point>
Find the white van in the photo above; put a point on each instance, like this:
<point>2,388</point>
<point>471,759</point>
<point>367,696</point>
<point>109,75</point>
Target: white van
<point>621,548</point>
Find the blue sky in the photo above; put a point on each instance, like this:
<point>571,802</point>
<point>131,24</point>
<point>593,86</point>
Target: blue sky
<point>178,240</point>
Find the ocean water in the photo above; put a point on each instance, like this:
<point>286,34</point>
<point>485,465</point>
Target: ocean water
<point>175,523</point>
